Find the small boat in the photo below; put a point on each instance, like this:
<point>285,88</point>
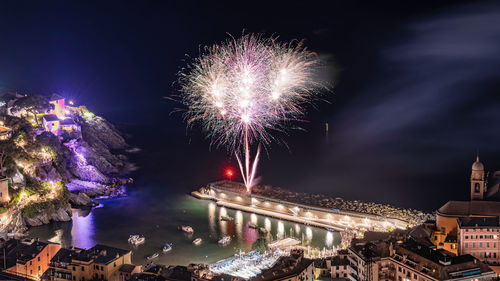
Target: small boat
<point>225,240</point>
<point>253,225</point>
<point>263,230</point>
<point>153,256</point>
<point>187,229</point>
<point>167,248</point>
<point>197,241</point>
<point>226,218</point>
<point>136,239</point>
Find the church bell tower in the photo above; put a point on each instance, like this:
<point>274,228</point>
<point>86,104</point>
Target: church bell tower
<point>477,181</point>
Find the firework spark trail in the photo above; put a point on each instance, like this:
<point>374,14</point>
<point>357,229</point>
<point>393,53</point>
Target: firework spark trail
<point>243,88</point>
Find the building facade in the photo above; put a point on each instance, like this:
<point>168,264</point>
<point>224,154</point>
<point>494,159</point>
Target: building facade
<point>479,237</point>
<point>27,258</point>
<point>4,190</point>
<point>412,261</point>
<point>97,263</point>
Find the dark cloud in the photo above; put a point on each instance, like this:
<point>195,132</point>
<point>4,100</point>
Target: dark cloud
<point>414,131</point>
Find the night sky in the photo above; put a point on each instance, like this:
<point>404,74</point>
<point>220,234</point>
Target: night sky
<point>415,91</point>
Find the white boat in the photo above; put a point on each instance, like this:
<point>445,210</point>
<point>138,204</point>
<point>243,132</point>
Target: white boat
<point>167,248</point>
<point>136,239</point>
<point>153,256</point>
<point>226,218</point>
<point>263,230</point>
<point>225,240</point>
<point>187,229</point>
<point>197,241</point>
<point>252,225</point>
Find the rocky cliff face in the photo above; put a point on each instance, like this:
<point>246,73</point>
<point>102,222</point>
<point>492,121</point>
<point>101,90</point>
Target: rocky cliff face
<point>101,140</point>
<point>61,214</point>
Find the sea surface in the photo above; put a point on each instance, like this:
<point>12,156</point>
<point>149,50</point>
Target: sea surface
<point>158,218</point>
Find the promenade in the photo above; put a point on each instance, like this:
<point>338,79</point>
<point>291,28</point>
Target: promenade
<point>339,220</point>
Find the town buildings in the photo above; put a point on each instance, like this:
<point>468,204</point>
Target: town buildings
<point>99,262</point>
<point>472,227</point>
<point>411,260</point>
<point>27,258</point>
<point>32,259</point>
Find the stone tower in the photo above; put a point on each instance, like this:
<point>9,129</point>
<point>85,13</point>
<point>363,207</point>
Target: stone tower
<point>477,181</point>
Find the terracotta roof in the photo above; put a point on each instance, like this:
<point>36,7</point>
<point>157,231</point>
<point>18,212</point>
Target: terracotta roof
<point>471,208</point>
<point>127,268</point>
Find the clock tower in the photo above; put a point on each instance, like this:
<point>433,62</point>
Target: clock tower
<point>477,181</point>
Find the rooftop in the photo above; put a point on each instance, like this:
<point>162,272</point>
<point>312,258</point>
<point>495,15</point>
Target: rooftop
<point>471,208</point>
<point>128,268</point>
<point>99,254</point>
<point>50,117</point>
<point>17,250</point>
<point>67,121</point>
<point>478,222</point>
<point>439,264</point>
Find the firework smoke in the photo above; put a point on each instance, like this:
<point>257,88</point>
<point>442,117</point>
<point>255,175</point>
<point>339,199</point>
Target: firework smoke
<point>243,88</point>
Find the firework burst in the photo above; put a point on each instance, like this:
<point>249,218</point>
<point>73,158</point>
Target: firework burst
<point>244,88</point>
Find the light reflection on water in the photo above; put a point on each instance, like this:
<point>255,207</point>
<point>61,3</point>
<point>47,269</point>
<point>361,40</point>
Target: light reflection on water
<point>83,230</point>
<point>119,218</point>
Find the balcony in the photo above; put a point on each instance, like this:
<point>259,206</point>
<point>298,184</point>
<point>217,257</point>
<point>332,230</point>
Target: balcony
<point>351,277</point>
<point>352,269</point>
<point>352,261</point>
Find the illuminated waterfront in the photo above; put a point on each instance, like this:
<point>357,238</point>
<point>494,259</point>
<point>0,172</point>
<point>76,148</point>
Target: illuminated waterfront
<point>158,220</point>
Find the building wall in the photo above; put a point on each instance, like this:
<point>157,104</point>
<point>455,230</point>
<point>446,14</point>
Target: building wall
<point>4,191</point>
<point>58,107</point>
<point>482,243</point>
<point>86,271</point>
<point>446,224</point>
<point>38,264</point>
<point>438,238</point>
<point>51,126</point>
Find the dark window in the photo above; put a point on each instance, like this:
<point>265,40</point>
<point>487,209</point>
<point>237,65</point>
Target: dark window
<point>114,264</point>
<point>38,268</point>
<point>102,268</point>
<point>31,272</point>
<point>83,268</point>
<point>38,258</point>
<point>74,268</point>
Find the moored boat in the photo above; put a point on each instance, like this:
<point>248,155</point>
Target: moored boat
<point>153,256</point>
<point>197,241</point>
<point>226,218</point>
<point>225,240</point>
<point>136,239</point>
<point>187,229</point>
<point>167,247</point>
<point>253,225</point>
